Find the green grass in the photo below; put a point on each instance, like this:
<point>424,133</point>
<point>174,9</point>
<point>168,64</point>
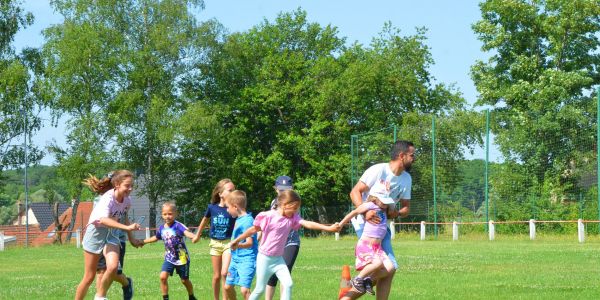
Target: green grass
<point>552,267</point>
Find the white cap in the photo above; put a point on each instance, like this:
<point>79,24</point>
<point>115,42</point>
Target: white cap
<point>384,198</point>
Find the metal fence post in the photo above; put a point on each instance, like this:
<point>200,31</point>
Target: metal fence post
<point>492,228</point>
<point>392,230</point>
<point>147,232</point>
<point>1,240</point>
<point>422,230</point>
<point>532,229</point>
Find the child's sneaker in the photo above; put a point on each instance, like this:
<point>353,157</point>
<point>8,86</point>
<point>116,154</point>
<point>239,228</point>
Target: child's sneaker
<point>369,285</point>
<point>358,284</point>
<point>128,290</point>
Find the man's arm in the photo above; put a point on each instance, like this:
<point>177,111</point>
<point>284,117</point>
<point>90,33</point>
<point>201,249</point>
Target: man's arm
<point>404,209</point>
<point>357,192</point>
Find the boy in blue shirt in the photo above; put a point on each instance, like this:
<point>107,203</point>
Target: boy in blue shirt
<point>243,258</point>
<point>176,254</point>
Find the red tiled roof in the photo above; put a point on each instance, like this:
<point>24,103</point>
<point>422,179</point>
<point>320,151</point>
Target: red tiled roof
<point>37,238</point>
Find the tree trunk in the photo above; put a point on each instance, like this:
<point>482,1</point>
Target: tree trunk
<point>57,225</point>
<point>74,205</point>
<point>322,214</point>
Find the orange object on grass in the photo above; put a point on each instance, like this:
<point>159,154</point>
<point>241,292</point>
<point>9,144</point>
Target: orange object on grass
<point>345,284</point>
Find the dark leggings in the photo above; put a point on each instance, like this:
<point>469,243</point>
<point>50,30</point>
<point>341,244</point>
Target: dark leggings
<point>289,256</point>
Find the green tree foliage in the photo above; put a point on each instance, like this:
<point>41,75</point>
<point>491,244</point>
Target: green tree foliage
<point>159,49</point>
<point>114,66</point>
<point>286,96</point>
<point>81,59</point>
<point>44,186</point>
<point>18,106</point>
<point>538,81</point>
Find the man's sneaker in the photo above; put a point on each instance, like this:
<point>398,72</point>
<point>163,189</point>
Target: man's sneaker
<point>128,290</point>
<point>369,285</point>
<point>358,284</point>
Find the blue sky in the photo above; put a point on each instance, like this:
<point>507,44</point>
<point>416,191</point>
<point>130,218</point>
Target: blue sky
<point>452,43</point>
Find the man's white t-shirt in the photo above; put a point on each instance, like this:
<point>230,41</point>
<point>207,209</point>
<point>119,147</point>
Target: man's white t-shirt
<point>381,180</point>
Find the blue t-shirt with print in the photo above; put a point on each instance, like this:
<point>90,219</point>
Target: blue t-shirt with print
<point>175,249</point>
<point>221,222</point>
<point>241,225</point>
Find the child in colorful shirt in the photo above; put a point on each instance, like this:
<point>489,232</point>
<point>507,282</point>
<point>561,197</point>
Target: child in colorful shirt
<point>369,255</point>
<point>176,254</point>
<point>243,259</point>
<point>275,226</point>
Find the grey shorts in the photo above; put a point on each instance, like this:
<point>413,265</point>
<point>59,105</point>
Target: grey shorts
<point>96,238</point>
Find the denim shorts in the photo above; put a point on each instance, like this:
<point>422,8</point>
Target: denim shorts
<point>241,272</point>
<point>94,239</point>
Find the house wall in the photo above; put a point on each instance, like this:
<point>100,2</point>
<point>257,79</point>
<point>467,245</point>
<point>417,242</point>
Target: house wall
<point>32,219</point>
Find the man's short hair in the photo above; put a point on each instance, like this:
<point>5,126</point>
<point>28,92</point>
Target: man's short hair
<point>401,146</point>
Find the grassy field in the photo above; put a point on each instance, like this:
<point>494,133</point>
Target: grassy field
<point>552,267</point>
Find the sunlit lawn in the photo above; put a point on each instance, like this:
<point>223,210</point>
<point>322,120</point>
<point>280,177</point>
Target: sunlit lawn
<point>511,267</point>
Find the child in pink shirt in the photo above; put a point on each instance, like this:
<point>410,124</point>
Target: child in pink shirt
<point>370,256</point>
<point>275,226</point>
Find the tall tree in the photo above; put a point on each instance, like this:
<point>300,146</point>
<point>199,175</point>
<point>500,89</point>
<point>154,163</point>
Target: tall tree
<point>538,80</point>
<point>160,48</point>
<point>19,108</point>
<point>81,58</point>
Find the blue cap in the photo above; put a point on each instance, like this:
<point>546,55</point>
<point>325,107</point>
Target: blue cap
<point>284,183</point>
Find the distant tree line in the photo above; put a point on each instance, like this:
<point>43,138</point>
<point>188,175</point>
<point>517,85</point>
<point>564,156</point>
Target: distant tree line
<point>147,86</point>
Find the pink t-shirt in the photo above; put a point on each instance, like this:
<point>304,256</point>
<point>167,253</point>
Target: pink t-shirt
<point>108,206</point>
<point>276,229</point>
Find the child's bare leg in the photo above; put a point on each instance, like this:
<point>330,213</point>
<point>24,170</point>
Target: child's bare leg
<point>188,286</point>
<point>90,263</point>
<point>122,279</point>
<point>230,291</point>
<point>216,279</point>
<point>164,283</point>
<point>245,292</point>
<point>370,268</point>
<point>225,260</point>
<point>99,275</point>
<point>111,254</point>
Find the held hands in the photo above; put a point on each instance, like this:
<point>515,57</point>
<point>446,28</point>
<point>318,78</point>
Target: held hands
<point>133,226</point>
<point>137,243</point>
<point>196,238</point>
<point>336,227</point>
<point>233,245</point>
